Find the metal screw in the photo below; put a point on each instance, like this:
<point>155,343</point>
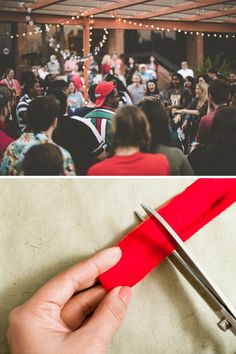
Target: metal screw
<point>224,325</point>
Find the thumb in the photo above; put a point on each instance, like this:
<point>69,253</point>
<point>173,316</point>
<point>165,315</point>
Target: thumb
<point>109,315</point>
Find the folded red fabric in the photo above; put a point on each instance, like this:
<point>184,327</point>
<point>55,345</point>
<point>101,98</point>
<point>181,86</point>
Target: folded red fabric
<point>146,246</point>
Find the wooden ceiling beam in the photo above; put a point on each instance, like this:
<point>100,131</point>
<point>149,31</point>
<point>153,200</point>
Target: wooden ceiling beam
<point>116,24</point>
<point>211,14</point>
<point>40,4</point>
<point>230,20</point>
<point>120,4</point>
<point>170,25</point>
<point>178,8</point>
<point>38,18</point>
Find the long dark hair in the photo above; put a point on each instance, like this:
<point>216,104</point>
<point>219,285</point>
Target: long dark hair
<point>158,121</point>
<point>193,82</point>
<point>220,151</point>
<point>156,92</point>
<point>6,72</point>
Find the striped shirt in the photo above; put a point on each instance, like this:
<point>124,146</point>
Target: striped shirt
<point>22,108</point>
<point>101,118</point>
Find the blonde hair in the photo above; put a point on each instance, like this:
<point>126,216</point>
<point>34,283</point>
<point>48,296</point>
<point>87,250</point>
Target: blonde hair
<point>203,97</point>
<point>106,59</point>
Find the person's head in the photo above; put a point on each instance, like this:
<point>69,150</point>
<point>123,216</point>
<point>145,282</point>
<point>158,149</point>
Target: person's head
<point>219,92</point>
<point>106,59</point>
<point>184,65</point>
<point>72,88</point>
<point>53,58</point>
<point>79,68</point>
<point>189,82</point>
<point>49,80</point>
<point>152,59</point>
<point>61,85</point>
<point>232,77</point>
<point>5,103</point>
<point>130,128</point>
<point>114,56</point>
<point>44,66</point>
<point>143,68</point>
<point>131,60</point>
<point>61,100</point>
<point>42,114</point>
<point>107,95</point>
<point>136,79</point>
<point>43,160</point>
<point>220,150</point>
<point>35,71</point>
<point>223,135</point>
<point>201,92</point>
<point>33,88</point>
<point>212,73</point>
<point>203,79</point>
<point>152,87</point>
<point>9,74</point>
<point>224,124</point>
<point>157,119</point>
<point>177,80</point>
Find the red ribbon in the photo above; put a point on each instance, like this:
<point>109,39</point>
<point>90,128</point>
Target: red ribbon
<point>146,246</point>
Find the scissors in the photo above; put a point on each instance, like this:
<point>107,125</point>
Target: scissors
<point>195,275</point>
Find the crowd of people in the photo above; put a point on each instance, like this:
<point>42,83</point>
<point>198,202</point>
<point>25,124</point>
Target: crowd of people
<point>125,124</point>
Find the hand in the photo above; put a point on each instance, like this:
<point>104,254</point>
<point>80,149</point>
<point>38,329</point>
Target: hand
<point>54,321</point>
<point>177,118</point>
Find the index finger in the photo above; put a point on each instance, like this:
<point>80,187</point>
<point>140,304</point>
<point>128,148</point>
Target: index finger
<point>79,277</point>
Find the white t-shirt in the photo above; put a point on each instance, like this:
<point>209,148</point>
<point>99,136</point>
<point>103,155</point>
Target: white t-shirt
<point>186,72</point>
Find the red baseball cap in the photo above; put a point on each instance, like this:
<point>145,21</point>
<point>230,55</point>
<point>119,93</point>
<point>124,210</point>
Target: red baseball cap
<point>102,91</point>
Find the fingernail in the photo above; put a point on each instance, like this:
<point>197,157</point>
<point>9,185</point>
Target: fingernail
<point>125,294</point>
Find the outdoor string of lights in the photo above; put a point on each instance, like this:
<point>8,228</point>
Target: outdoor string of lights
<point>141,25</point>
<point>58,47</point>
<point>138,24</point>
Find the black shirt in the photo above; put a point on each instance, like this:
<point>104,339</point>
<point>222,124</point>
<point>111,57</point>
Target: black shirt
<point>82,111</point>
<point>81,139</point>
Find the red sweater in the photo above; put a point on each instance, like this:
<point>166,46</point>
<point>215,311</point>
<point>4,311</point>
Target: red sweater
<point>138,164</point>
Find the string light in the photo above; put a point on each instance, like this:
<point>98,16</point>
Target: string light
<point>38,29</point>
<point>140,24</point>
<point>57,47</point>
<point>19,35</point>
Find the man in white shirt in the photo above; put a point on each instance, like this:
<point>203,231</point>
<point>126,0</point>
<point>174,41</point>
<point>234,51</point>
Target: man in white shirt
<point>185,71</point>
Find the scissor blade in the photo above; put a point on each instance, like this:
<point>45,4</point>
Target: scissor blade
<point>176,241</point>
<point>139,216</point>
